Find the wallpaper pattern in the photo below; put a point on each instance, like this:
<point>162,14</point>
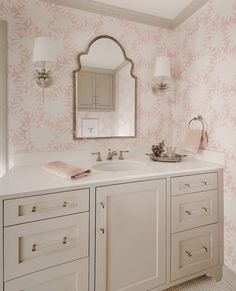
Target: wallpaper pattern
<point>205,44</point>
<point>36,126</point>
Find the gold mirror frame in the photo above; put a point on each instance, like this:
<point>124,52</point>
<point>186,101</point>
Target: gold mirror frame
<point>74,88</point>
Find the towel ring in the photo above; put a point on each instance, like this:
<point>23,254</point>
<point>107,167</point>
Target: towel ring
<point>197,118</point>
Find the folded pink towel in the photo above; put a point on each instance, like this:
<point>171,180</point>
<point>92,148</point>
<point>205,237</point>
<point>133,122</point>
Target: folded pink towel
<point>194,140</point>
<point>66,171</point>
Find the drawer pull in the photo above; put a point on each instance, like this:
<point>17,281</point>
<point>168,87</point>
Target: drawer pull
<point>34,209</point>
<point>191,253</point>
<point>188,212</point>
<point>102,230</point>
<point>196,185</point>
<point>196,211</point>
<point>102,205</point>
<point>35,248</point>
<point>63,204</point>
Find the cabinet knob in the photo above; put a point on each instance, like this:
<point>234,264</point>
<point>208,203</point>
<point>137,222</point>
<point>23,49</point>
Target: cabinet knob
<point>64,204</point>
<point>205,208</point>
<point>64,241</point>
<point>34,248</point>
<point>102,230</point>
<point>34,209</point>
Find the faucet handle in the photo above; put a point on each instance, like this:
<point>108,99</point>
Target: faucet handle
<point>121,157</point>
<point>99,159</point>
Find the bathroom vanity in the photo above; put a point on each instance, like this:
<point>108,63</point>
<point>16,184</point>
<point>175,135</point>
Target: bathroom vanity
<point>137,230</point>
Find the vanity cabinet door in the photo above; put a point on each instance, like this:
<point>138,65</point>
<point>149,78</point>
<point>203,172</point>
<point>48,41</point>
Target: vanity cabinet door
<point>131,236</point>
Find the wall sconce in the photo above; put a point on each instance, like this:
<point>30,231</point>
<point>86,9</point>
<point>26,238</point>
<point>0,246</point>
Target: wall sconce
<point>161,74</point>
<point>43,55</point>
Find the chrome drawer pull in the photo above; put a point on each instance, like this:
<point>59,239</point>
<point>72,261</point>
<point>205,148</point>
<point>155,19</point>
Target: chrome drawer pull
<point>102,230</point>
<point>197,211</point>
<point>34,209</point>
<point>190,254</point>
<point>58,206</point>
<point>188,212</point>
<point>63,242</point>
<point>196,185</point>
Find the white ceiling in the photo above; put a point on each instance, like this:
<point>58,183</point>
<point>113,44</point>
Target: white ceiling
<point>162,8</point>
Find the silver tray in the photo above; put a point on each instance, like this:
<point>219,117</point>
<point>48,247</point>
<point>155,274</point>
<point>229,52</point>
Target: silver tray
<point>164,158</point>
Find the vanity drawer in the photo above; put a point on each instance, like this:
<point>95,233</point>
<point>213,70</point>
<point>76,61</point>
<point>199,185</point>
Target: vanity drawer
<point>193,251</point>
<point>38,245</point>
<point>71,276</point>
<point>194,210</point>
<point>193,183</point>
<point>45,206</point>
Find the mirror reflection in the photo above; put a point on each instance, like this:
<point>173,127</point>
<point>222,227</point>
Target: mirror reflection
<point>105,91</point>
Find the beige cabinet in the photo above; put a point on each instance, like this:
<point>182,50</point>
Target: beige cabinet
<point>131,236</point>
<point>95,91</point>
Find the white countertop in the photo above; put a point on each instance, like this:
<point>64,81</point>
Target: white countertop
<point>31,179</point>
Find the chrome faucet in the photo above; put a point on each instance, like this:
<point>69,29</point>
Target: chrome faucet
<point>111,154</point>
<point>121,157</point>
<point>99,159</point>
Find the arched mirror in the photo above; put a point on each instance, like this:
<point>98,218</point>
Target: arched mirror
<point>104,91</point>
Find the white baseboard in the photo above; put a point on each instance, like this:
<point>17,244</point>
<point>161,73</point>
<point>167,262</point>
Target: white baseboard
<point>230,277</point>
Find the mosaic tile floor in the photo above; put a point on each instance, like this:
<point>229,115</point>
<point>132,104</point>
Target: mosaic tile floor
<point>202,283</point>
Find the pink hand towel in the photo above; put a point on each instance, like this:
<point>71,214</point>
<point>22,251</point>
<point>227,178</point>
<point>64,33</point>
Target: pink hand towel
<point>194,140</point>
<point>66,171</point>
<point>204,140</point>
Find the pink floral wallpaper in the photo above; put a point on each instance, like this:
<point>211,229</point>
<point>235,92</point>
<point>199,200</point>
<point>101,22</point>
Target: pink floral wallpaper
<point>35,126</point>
<point>205,46</point>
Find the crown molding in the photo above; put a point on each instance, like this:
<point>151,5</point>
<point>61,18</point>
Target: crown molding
<point>188,11</point>
<point>105,9</point>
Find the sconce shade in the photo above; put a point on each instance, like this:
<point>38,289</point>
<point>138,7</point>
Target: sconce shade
<point>162,67</point>
<point>44,51</point>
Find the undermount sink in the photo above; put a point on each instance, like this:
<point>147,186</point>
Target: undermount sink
<point>118,166</point>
